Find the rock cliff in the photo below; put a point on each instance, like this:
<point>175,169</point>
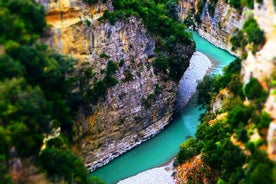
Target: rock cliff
<point>217,28</point>
<point>139,106</point>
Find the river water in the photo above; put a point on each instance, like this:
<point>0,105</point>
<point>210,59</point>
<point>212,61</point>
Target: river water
<point>164,146</point>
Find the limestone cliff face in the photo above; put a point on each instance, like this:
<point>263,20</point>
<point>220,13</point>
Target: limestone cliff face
<point>139,106</point>
<point>218,28</point>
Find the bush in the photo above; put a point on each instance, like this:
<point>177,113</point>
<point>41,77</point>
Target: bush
<point>111,67</point>
<point>63,165</point>
<point>253,90</point>
<point>90,2</point>
<point>262,121</point>
<point>204,97</point>
<point>187,151</point>
<point>148,101</point>
<point>240,114</point>
<point>254,34</point>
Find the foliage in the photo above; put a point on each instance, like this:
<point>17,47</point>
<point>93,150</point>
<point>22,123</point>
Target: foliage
<point>211,7</point>
<point>100,87</point>
<point>35,95</point>
<point>128,76</point>
<point>148,101</point>
<point>205,97</point>
<point>187,151</point>
<point>63,165</point>
<point>90,2</point>
<point>250,33</point>
<point>254,34</point>
<point>213,84</point>
<point>239,115</point>
<point>238,41</point>
<point>94,180</point>
<point>262,121</point>
<point>254,91</point>
<point>22,21</point>
<point>240,4</point>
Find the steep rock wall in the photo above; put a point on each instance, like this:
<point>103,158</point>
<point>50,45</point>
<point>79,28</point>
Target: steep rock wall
<point>135,109</point>
<point>218,28</point>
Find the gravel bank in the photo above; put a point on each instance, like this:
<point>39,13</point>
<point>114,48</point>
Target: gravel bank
<point>159,175</point>
<point>199,65</point>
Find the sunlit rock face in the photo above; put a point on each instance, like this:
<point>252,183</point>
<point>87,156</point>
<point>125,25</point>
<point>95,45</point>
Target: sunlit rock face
<point>217,28</point>
<point>139,106</point>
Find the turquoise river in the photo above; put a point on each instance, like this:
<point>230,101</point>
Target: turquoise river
<point>164,146</point>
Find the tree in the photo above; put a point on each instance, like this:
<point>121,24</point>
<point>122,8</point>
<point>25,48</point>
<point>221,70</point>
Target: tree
<point>63,165</point>
<point>187,151</point>
<point>253,89</point>
<point>254,34</point>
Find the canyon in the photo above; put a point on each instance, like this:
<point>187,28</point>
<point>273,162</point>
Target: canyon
<point>139,106</point>
<point>121,120</point>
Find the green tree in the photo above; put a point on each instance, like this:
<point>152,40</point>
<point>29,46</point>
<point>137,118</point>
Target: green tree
<point>188,149</point>
<point>254,34</point>
<point>253,89</point>
<point>63,165</point>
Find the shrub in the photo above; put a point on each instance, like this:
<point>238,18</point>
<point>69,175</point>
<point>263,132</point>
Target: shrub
<point>111,67</point>
<point>262,121</point>
<point>204,97</point>
<point>121,63</point>
<point>63,165</point>
<point>103,55</point>
<point>253,90</point>
<point>187,151</point>
<point>148,101</point>
<point>128,76</point>
<point>254,34</point>
<point>239,114</point>
<point>90,2</point>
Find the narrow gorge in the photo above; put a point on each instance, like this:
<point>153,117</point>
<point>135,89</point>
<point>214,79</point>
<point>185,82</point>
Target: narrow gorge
<point>129,91</point>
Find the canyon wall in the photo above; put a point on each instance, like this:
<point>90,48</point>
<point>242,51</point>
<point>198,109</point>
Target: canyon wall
<point>139,106</point>
<point>217,28</point>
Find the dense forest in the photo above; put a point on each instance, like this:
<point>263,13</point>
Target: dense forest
<point>35,100</point>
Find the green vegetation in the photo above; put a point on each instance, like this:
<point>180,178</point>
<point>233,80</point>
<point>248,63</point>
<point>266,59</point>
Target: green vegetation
<point>211,7</point>
<point>213,84</point>
<point>200,7</point>
<point>35,97</point>
<point>229,163</point>
<point>254,91</point>
<point>148,101</point>
<point>90,2</point>
<point>250,34</point>
<point>240,4</point>
<point>160,18</point>
<point>128,76</point>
